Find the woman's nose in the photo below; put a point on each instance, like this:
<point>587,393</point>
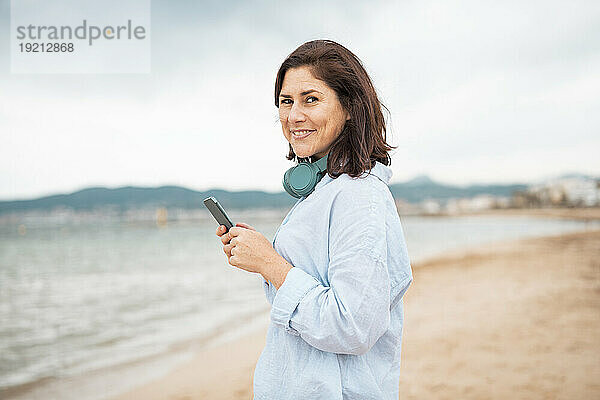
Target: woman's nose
<point>296,114</point>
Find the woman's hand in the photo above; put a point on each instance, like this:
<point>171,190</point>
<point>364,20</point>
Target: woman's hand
<point>248,249</point>
<point>221,231</point>
<point>252,249</point>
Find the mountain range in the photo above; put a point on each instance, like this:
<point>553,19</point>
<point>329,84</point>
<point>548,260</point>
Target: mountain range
<point>129,197</point>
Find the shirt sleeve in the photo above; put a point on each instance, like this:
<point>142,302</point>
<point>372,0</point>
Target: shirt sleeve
<point>352,313</point>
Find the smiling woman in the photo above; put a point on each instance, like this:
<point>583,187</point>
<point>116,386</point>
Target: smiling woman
<point>337,269</point>
<point>342,81</point>
<point>310,112</point>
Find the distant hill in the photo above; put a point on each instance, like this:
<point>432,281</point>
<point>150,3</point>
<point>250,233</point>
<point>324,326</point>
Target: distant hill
<point>422,187</point>
<point>129,197</point>
<point>136,197</point>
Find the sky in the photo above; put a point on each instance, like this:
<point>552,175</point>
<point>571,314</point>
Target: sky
<point>478,92</point>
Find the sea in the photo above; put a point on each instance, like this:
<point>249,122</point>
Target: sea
<point>91,308</point>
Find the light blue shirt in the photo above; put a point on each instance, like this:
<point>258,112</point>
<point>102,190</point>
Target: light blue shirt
<point>336,321</point>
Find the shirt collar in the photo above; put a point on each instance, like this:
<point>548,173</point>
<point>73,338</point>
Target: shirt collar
<point>382,172</point>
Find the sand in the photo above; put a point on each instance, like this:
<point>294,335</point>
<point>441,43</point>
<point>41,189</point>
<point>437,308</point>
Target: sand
<point>517,320</point>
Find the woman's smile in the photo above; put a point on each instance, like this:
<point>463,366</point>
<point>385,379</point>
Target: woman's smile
<point>302,133</point>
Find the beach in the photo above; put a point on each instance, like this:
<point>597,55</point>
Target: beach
<point>515,319</point>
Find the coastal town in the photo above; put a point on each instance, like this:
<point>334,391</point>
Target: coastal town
<point>563,192</point>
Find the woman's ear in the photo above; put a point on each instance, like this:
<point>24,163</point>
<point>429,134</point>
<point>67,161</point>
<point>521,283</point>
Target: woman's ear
<point>347,116</point>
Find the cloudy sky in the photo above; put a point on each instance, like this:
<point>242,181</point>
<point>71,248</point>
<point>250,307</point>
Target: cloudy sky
<point>479,91</point>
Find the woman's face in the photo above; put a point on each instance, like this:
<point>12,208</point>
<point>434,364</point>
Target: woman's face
<point>310,112</point>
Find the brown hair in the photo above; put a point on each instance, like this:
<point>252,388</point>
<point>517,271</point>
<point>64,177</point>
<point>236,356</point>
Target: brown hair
<point>363,138</point>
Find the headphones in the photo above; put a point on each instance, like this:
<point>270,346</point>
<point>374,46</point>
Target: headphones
<point>301,180</point>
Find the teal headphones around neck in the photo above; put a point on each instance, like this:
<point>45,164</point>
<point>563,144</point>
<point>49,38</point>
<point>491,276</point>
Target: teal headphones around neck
<point>301,180</point>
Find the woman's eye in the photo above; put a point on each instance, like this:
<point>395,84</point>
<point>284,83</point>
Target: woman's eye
<point>309,98</point>
<point>286,101</point>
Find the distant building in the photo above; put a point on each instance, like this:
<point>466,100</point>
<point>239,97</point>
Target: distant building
<point>478,203</point>
<point>431,206</point>
<point>573,192</point>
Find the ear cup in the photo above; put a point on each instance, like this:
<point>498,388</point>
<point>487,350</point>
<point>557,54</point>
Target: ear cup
<point>287,186</point>
<point>301,180</point>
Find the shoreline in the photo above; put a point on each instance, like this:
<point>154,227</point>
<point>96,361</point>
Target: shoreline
<point>193,371</point>
<point>448,331</point>
<point>105,382</point>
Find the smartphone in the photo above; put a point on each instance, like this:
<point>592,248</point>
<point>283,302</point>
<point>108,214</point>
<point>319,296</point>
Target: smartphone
<point>217,211</point>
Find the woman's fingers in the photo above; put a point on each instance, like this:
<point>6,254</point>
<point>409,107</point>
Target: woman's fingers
<point>221,230</point>
<point>227,249</point>
<point>226,238</point>
<point>243,225</point>
<point>229,246</point>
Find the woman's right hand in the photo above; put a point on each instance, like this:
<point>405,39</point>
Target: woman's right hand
<point>225,237</point>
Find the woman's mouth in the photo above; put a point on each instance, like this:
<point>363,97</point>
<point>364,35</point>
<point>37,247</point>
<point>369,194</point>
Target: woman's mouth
<point>301,134</point>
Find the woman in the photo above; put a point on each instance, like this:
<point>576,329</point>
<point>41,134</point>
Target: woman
<point>338,267</point>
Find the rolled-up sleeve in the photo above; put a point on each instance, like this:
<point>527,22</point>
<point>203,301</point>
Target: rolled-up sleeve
<point>351,313</point>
